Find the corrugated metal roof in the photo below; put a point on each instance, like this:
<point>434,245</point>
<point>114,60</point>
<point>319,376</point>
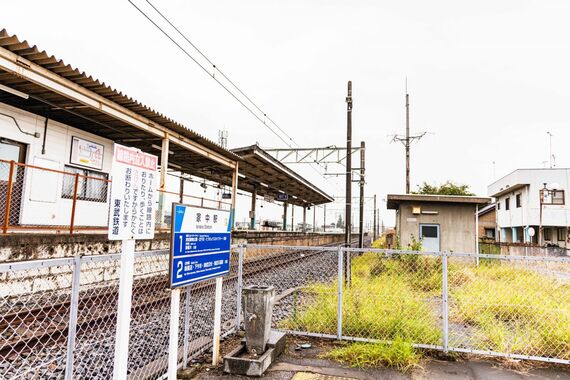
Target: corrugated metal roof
<point>258,166</point>
<point>59,67</point>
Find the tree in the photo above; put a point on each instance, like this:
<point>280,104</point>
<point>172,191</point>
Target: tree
<point>447,188</point>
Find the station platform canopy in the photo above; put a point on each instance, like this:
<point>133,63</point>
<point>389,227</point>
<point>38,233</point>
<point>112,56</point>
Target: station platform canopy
<point>33,80</point>
<point>268,177</point>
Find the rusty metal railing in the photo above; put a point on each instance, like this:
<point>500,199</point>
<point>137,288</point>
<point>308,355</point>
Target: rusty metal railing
<point>15,188</point>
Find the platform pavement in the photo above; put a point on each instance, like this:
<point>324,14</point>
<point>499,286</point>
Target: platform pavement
<point>295,367</point>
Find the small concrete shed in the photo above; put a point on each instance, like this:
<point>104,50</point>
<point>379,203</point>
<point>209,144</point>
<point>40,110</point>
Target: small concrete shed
<point>442,222</point>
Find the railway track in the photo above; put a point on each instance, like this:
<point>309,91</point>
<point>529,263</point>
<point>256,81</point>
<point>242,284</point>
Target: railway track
<point>24,329</point>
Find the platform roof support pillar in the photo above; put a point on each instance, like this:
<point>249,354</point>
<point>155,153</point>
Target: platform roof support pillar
<point>234,195</point>
<point>304,229</point>
<point>252,211</point>
<point>292,217</point>
<point>285,216</point>
<point>314,218</point>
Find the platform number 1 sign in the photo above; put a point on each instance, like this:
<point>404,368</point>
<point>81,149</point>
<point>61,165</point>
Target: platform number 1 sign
<point>200,247</point>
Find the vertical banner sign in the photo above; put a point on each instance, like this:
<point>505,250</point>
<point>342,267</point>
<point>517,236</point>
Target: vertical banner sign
<point>133,194</point>
<point>200,247</point>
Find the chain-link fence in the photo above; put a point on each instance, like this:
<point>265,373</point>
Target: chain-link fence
<point>512,306</point>
<point>58,316</point>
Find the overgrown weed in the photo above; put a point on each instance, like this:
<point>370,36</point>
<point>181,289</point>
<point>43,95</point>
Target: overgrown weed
<point>399,354</point>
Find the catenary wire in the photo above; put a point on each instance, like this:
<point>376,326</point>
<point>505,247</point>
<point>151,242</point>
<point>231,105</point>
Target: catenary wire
<point>206,70</point>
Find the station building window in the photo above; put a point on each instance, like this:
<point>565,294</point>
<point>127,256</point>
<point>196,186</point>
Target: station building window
<point>518,200</point>
<point>92,189</point>
<point>507,203</point>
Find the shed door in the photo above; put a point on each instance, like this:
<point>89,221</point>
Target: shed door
<point>429,234</point>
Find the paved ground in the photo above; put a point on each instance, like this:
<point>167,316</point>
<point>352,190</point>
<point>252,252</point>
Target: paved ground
<point>306,365</point>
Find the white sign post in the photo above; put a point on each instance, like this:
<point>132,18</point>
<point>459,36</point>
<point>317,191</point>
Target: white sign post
<point>199,250</point>
<point>131,216</point>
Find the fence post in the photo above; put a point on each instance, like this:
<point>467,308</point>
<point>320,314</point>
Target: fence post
<point>445,304</point>
<point>339,303</point>
<point>75,185</point>
<point>9,197</point>
<point>173,334</point>
<point>241,250</point>
<point>186,327</point>
<point>73,306</point>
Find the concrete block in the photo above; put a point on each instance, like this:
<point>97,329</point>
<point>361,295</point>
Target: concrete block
<point>235,363</point>
<point>257,310</point>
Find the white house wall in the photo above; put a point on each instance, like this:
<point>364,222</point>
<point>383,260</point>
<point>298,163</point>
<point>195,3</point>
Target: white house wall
<point>529,213</point>
<point>42,203</point>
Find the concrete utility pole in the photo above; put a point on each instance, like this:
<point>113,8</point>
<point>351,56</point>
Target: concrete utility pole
<point>407,140</point>
<point>361,208</point>
<point>347,216</point>
<point>407,144</point>
<point>374,233</point>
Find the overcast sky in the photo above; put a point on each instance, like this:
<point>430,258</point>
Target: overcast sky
<point>487,79</point>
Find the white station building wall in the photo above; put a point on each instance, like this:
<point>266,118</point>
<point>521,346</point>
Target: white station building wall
<point>42,202</point>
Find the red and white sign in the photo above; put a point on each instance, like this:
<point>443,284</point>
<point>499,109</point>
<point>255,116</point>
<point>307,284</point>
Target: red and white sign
<point>133,194</point>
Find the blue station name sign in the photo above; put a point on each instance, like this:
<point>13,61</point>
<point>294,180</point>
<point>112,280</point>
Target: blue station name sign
<point>200,247</point>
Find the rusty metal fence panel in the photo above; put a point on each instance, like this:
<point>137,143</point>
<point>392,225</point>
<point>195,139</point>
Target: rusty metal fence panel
<point>38,198</point>
<point>65,199</point>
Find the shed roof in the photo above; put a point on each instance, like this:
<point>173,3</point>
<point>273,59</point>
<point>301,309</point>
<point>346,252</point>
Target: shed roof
<point>269,177</point>
<point>57,106</point>
<point>394,200</point>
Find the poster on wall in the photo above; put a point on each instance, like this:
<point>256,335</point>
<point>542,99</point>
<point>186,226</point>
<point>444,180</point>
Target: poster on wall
<point>86,153</point>
<point>133,194</point>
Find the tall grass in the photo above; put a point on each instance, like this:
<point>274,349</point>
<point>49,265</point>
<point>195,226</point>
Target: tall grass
<point>399,354</point>
<point>513,309</point>
<point>379,305</point>
<point>497,306</point>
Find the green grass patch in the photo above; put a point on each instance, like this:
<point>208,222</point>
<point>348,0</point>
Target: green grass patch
<point>497,306</point>
<point>383,305</point>
<point>514,309</point>
<point>399,354</point>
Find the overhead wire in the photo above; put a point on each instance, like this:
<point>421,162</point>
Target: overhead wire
<point>233,84</point>
<point>217,68</point>
<point>206,70</point>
